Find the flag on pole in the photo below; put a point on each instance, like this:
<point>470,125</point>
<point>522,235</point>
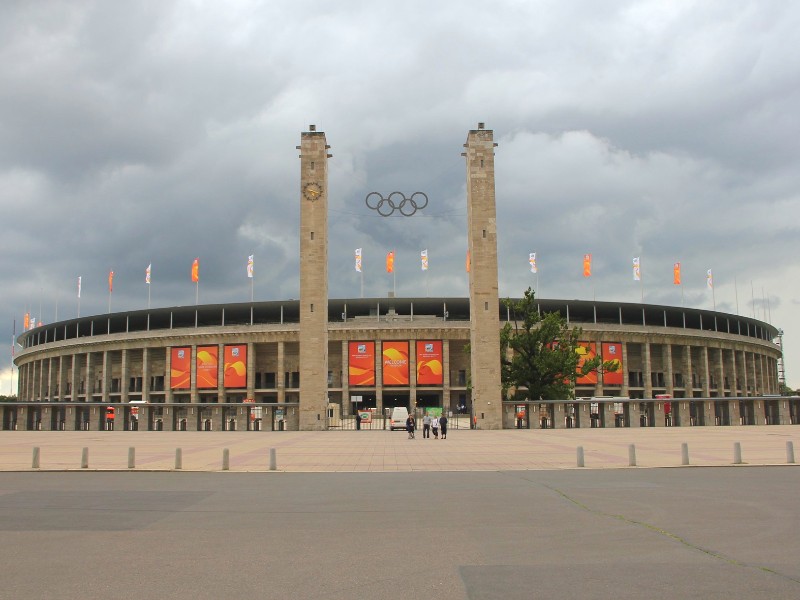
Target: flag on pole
<point>26,321</point>
<point>676,273</point>
<point>147,272</point>
<point>79,287</point>
<point>709,280</point>
<point>196,270</point>
<point>111,281</point>
<point>423,256</point>
<point>250,266</point>
<point>637,273</point>
<point>532,260</point>
<point>358,260</point>
<point>468,261</point>
<point>587,265</point>
<point>390,262</point>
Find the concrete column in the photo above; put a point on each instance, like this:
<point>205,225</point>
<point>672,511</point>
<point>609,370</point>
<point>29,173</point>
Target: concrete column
<point>32,393</point>
<point>69,418</point>
<point>124,376</point>
<point>75,378</point>
<point>483,278</point>
<point>221,396</point>
<point>720,369</point>
<point>347,406</point>
<point>412,375</point>
<point>733,408</point>
<point>313,330</point>
<point>660,413</point>
<point>379,377</point>
<point>625,368</point>
<point>251,370</point>
<point>146,375</point>
<point>687,351</point>
<point>705,371</point>
<point>669,374</point>
<point>735,391</point>
<point>169,396</point>
<point>754,379</point>
<point>105,377</point>
<point>648,370</point>
<point>193,394</point>
<point>599,386</point>
<point>62,380</point>
<point>446,371</point>
<point>634,414</point>
<point>88,380</point>
<point>280,376</point>
<point>609,417</point>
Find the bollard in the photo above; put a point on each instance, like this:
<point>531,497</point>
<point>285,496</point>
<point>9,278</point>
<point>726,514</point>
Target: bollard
<point>131,458</point>
<point>737,453</point>
<point>35,464</point>
<point>273,461</point>
<point>790,452</point>
<point>178,458</point>
<point>85,458</point>
<point>226,459</point>
<point>580,456</point>
<point>684,453</point>
<point>631,455</point>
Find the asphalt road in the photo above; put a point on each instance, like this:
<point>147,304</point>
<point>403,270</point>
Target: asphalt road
<point>719,532</point>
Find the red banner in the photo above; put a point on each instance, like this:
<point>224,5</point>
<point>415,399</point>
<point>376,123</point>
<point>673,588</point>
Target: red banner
<point>361,363</point>
<point>207,362</point>
<point>429,363</point>
<point>234,373</point>
<point>586,351</point>
<point>613,351</point>
<point>395,363</point>
<point>180,368</point>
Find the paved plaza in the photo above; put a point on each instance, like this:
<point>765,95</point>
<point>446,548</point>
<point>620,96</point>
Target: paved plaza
<point>353,451</point>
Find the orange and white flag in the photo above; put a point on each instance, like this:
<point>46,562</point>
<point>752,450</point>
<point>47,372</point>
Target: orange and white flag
<point>110,281</point>
<point>676,273</point>
<point>587,265</point>
<point>196,270</point>
<point>709,280</point>
<point>358,260</point>
<point>390,262</point>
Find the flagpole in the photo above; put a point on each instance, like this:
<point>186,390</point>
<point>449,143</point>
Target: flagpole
<point>753,298</point>
<point>197,292</point>
<point>362,280</point>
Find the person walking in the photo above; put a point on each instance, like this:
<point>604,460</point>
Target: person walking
<point>435,427</point>
<point>410,426</point>
<point>426,425</point>
<point>443,425</point>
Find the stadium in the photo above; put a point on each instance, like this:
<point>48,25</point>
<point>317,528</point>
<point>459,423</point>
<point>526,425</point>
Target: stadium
<point>312,363</point>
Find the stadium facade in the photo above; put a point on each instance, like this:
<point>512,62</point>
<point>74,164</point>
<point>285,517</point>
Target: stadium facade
<point>309,363</point>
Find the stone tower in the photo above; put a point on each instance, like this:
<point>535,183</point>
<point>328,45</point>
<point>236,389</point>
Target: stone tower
<point>313,279</point>
<point>483,287</point>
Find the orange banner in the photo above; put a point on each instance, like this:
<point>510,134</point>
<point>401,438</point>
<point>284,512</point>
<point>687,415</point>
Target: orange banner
<point>429,363</point>
<point>196,270</point>
<point>361,363</point>
<point>207,361</point>
<point>612,351</point>
<point>390,262</point>
<point>395,363</point>
<point>586,351</point>
<point>587,265</point>
<point>234,372</point>
<point>180,368</point>
<point>676,273</point>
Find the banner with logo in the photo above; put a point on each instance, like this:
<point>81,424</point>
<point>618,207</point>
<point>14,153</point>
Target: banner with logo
<point>586,351</point>
<point>207,367</point>
<point>395,363</point>
<point>180,373</point>
<point>429,362</point>
<point>361,363</point>
<point>612,351</point>
<point>234,371</point>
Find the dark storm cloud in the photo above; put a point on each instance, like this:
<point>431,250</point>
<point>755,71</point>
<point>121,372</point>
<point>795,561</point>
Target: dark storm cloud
<point>136,133</point>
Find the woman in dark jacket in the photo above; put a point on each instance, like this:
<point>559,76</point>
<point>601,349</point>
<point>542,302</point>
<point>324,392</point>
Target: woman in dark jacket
<point>410,426</point>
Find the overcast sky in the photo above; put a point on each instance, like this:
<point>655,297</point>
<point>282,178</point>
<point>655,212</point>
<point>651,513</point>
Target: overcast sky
<point>156,132</point>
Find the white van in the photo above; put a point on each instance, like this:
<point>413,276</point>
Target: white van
<point>398,418</point>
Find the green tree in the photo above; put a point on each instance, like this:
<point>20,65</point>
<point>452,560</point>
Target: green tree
<point>543,363</point>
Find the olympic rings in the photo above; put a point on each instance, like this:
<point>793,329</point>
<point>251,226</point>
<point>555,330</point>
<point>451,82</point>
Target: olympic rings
<point>396,201</point>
